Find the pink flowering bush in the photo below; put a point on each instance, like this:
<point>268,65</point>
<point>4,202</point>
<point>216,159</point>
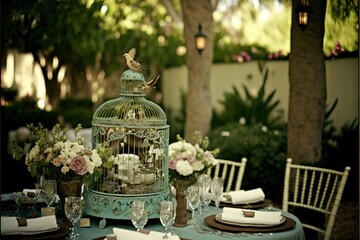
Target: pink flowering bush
<point>187,160</point>
<point>58,158</point>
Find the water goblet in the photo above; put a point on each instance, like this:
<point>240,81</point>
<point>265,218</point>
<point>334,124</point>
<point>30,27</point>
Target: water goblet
<point>206,198</point>
<point>217,189</point>
<point>204,182</point>
<point>193,198</point>
<point>139,216</point>
<point>49,191</point>
<point>73,210</point>
<point>18,197</point>
<point>167,212</point>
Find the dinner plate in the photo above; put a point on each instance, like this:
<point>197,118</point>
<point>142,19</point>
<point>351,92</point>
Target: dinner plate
<point>218,217</point>
<point>34,232</point>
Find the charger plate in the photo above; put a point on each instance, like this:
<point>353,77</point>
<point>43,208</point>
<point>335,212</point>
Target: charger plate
<point>286,225</point>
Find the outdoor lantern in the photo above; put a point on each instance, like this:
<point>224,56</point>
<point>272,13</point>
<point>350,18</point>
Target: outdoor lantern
<point>200,39</point>
<point>303,11</point>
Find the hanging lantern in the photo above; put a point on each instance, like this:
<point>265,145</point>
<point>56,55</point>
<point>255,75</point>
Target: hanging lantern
<point>200,39</point>
<point>303,11</point>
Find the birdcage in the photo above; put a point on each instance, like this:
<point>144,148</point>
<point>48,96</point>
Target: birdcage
<point>138,134</point>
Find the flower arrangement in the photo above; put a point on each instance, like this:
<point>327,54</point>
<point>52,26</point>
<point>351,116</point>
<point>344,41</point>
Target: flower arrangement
<point>59,157</point>
<point>187,161</point>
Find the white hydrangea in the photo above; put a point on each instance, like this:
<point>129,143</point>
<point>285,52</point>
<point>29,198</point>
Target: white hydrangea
<point>184,168</point>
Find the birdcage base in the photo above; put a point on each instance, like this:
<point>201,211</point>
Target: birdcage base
<point>117,206</point>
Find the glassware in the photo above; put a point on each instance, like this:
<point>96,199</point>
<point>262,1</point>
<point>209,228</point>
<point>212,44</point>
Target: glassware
<point>193,198</point>
<point>18,197</point>
<point>37,194</point>
<point>204,181</point>
<point>49,191</point>
<point>206,198</point>
<point>139,215</point>
<point>167,212</point>
<point>217,187</point>
<point>73,210</point>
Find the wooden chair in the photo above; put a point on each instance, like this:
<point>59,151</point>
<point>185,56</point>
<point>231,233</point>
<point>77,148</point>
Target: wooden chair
<point>232,172</point>
<point>317,189</point>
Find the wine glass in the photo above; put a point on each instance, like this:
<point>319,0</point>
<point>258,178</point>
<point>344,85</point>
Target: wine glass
<point>193,198</point>
<point>217,189</point>
<point>206,198</point>
<point>37,193</point>
<point>18,197</point>
<point>73,210</point>
<point>204,182</point>
<point>167,212</point>
<point>139,216</point>
<point>49,191</point>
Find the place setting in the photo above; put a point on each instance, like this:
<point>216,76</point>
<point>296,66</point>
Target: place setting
<point>30,214</point>
<point>249,220</point>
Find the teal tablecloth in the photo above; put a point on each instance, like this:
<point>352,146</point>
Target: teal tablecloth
<point>94,232</point>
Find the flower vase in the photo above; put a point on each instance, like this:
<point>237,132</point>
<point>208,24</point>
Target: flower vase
<point>182,214</point>
<point>71,188</point>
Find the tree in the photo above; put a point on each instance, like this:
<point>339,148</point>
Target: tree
<point>307,98</point>
<point>198,107</point>
<point>58,34</point>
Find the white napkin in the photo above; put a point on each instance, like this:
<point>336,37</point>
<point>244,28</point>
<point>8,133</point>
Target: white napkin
<point>133,235</point>
<point>243,197</point>
<point>261,217</point>
<point>9,225</point>
<point>25,191</point>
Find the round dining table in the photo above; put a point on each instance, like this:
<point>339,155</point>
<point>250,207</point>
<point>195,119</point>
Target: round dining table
<point>203,230</point>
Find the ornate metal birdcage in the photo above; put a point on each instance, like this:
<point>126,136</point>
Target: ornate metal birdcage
<point>138,134</point>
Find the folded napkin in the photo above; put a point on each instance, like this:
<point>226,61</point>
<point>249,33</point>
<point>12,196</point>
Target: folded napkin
<point>26,191</point>
<point>237,215</point>
<point>244,197</point>
<point>133,235</point>
<point>10,225</point>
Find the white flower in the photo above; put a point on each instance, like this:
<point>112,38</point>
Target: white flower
<point>184,168</point>
<point>264,129</point>
<point>242,121</point>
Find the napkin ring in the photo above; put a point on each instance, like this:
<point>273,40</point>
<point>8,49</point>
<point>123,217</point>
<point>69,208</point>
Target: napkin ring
<point>21,222</point>
<point>249,214</point>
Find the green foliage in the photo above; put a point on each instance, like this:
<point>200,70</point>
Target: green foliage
<point>252,109</point>
<point>24,112</point>
<point>264,148</point>
<point>341,149</point>
<point>73,111</point>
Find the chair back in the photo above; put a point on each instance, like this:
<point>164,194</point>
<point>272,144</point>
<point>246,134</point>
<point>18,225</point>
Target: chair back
<point>231,172</point>
<point>314,188</point>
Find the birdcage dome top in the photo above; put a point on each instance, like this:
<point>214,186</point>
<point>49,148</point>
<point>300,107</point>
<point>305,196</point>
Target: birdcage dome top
<point>130,109</point>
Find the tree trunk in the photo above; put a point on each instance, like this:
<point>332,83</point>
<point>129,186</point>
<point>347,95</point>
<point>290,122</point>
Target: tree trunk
<point>198,101</point>
<point>307,101</point>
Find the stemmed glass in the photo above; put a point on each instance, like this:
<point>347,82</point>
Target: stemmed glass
<point>193,198</point>
<point>73,210</point>
<point>139,215</point>
<point>167,212</point>
<point>18,197</point>
<point>217,189</point>
<point>49,191</point>
<point>37,194</point>
<point>204,181</point>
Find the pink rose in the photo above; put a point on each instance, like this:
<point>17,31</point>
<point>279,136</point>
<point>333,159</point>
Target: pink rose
<point>78,165</point>
<point>172,164</point>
